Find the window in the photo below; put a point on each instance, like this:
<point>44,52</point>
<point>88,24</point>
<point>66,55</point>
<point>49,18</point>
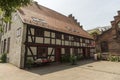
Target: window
<point>72,38</point>
<point>76,39</point>
<point>18,32</point>
<point>6,25</point>
<point>67,51</point>
<point>104,46</point>
<point>42,52</point>
<point>8,45</point>
<point>58,36</point>
<point>66,37</point>
<point>75,51</point>
<point>83,40</point>
<point>4,46</point>
<point>39,32</point>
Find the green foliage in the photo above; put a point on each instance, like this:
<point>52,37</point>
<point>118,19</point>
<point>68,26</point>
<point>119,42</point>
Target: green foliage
<point>29,63</point>
<point>9,6</point>
<point>73,59</point>
<point>4,58</point>
<point>79,57</point>
<point>114,58</point>
<point>65,58</point>
<point>1,29</point>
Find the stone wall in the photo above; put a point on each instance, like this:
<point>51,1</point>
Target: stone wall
<point>15,35</point>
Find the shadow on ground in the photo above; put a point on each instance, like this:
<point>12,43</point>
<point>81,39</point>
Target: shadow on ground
<point>54,67</point>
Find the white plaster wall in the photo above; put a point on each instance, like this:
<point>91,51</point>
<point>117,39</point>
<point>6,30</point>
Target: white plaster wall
<point>53,41</point>
<point>66,42</point>
<point>34,50</point>
<point>62,42</point>
<point>47,34</point>
<point>78,44</point>
<point>58,42</point>
<point>32,31</point>
<point>49,52</point>
<point>63,51</point>
<point>47,40</point>
<point>53,35</point>
<point>71,51</point>
<point>39,40</point>
<point>29,39</point>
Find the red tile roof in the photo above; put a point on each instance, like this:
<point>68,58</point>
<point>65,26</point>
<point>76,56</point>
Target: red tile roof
<point>43,17</point>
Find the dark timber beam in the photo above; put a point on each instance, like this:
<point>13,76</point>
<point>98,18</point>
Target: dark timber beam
<point>31,53</point>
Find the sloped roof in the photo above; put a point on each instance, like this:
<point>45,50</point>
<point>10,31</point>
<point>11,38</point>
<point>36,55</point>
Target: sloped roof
<point>43,17</point>
<point>99,30</point>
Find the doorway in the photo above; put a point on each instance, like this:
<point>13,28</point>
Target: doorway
<point>57,54</point>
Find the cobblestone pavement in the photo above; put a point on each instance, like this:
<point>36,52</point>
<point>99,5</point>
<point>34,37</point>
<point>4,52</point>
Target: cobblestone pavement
<point>84,70</point>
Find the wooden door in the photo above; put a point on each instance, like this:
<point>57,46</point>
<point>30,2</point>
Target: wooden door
<point>57,54</point>
<point>88,53</point>
<point>84,52</point>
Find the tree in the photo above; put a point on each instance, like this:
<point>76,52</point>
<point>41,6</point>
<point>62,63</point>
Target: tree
<point>94,34</point>
<point>9,6</point>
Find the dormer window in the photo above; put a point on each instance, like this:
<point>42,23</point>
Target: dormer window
<point>58,36</point>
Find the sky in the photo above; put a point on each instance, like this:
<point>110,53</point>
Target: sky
<point>90,13</point>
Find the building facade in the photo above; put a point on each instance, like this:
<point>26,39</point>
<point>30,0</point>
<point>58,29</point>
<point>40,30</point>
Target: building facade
<point>37,31</point>
<point>109,41</point>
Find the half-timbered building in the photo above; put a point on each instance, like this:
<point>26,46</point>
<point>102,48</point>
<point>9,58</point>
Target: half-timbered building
<point>37,31</point>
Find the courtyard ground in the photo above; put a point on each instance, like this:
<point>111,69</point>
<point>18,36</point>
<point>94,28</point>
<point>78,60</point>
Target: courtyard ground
<point>84,70</point>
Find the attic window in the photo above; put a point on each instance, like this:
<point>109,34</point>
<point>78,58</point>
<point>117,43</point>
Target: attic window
<point>38,20</point>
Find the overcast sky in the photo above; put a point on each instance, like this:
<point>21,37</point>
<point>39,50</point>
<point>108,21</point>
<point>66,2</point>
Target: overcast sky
<point>90,13</point>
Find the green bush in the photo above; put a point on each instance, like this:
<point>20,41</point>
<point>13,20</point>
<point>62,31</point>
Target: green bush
<point>29,63</point>
<point>4,58</point>
<point>114,58</point>
<point>65,58</point>
<point>79,57</point>
<point>73,59</point>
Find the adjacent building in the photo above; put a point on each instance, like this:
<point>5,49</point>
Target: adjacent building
<point>109,41</point>
<point>37,31</point>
